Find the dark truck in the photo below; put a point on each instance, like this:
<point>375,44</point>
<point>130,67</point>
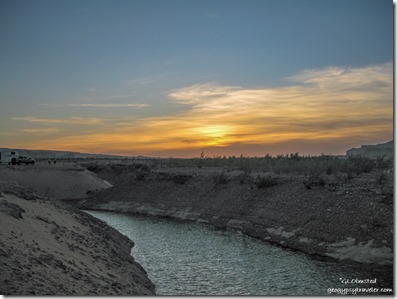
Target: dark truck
<point>23,159</point>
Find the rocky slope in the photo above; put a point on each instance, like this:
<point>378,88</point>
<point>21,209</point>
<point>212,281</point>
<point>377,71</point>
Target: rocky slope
<point>48,248</point>
<point>345,219</point>
<point>385,150</point>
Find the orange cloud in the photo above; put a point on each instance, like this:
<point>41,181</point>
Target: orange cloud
<point>332,104</point>
<point>44,131</point>
<point>73,120</point>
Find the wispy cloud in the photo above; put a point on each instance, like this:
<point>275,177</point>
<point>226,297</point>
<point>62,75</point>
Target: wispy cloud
<point>97,105</point>
<point>41,131</point>
<point>153,78</point>
<point>110,105</point>
<point>72,120</point>
<point>329,103</point>
<point>143,81</point>
<point>212,15</point>
<point>91,89</point>
<point>322,107</point>
<point>170,75</point>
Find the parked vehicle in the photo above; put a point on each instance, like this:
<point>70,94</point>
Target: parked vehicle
<point>13,157</point>
<point>25,159</point>
<point>8,157</point>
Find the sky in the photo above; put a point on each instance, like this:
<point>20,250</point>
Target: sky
<point>175,78</point>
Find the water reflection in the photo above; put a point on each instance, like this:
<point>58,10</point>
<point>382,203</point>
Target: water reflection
<point>193,259</point>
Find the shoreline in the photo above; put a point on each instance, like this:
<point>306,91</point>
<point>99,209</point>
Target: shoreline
<point>51,248</point>
<point>319,221</point>
<point>339,219</point>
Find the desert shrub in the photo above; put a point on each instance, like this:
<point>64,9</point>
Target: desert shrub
<point>141,176</point>
<point>181,178</point>
<point>295,156</point>
<point>382,163</point>
<point>94,167</point>
<point>246,167</point>
<point>350,174</point>
<point>388,195</point>
<point>119,169</point>
<point>154,163</point>
<point>141,167</point>
<point>361,164</point>
<point>367,166</point>
<point>314,180</point>
<point>382,178</point>
<point>330,169</point>
<point>284,164</point>
<point>386,183</point>
<point>220,178</point>
<point>266,181</point>
<point>244,178</point>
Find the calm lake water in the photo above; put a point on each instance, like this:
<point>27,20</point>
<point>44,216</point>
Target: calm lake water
<point>194,259</point>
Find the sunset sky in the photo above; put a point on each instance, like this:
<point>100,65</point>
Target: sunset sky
<point>174,78</point>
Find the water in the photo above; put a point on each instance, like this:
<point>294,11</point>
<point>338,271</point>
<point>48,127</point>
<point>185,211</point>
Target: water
<point>194,259</point>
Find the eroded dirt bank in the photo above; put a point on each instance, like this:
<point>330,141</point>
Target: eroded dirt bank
<point>345,219</point>
<point>63,180</point>
<point>49,248</point>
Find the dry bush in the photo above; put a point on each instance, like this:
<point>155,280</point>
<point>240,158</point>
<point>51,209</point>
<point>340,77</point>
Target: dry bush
<point>220,178</point>
<point>315,180</point>
<point>181,179</point>
<point>266,181</point>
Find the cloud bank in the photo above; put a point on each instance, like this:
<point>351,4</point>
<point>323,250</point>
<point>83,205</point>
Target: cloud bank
<point>348,106</point>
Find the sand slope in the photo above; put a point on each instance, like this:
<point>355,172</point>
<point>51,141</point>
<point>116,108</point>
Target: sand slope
<point>47,248</point>
<point>58,181</point>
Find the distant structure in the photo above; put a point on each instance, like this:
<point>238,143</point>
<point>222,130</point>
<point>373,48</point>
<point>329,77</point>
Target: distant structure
<point>385,150</point>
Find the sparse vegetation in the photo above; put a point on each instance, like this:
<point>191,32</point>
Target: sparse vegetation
<point>266,181</point>
<point>245,178</point>
<point>140,176</point>
<point>314,180</point>
<point>94,167</point>
<point>382,178</point>
<point>181,179</point>
<point>318,170</point>
<point>285,164</point>
<point>220,178</point>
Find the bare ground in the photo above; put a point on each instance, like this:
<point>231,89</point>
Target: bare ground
<point>49,248</point>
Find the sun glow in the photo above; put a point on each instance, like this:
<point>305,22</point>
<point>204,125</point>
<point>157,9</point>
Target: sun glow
<point>216,135</point>
<point>328,106</point>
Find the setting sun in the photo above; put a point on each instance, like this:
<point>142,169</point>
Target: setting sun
<point>215,135</point>
<point>240,88</point>
<point>272,120</point>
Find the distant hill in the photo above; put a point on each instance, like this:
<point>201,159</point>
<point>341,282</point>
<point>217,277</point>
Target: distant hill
<point>373,151</point>
<point>48,154</point>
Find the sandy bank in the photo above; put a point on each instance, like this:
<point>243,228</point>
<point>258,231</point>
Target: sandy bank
<point>47,248</point>
<point>338,218</point>
<point>59,181</point>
